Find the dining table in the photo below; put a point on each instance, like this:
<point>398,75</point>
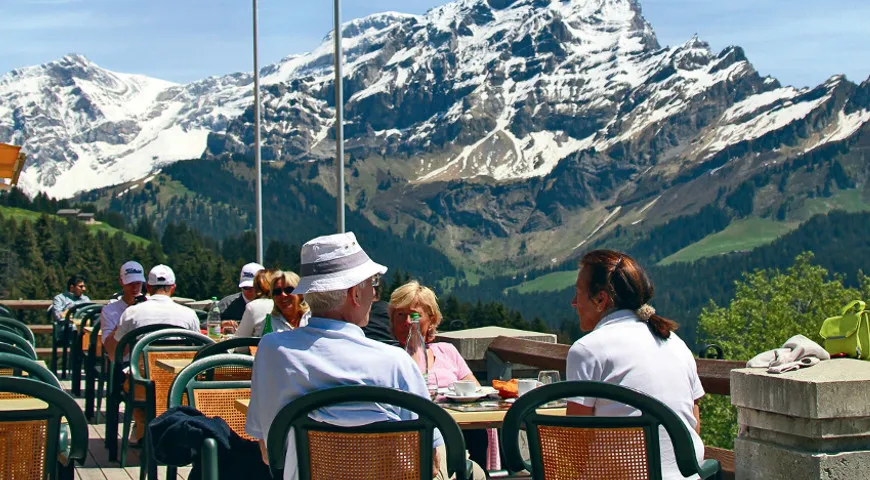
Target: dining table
<point>174,365</point>
<point>469,416</point>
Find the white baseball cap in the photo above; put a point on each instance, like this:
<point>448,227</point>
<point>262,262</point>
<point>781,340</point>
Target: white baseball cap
<point>246,278</point>
<point>132,272</point>
<point>334,262</point>
<point>161,275</point>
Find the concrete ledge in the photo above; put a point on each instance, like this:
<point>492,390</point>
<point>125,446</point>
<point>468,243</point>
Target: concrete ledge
<point>761,460</point>
<point>832,389</point>
<point>820,435</point>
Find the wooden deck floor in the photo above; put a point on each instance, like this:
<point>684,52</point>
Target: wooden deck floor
<point>98,467</point>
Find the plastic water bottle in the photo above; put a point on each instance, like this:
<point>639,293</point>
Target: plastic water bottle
<point>213,321</point>
<point>416,348</point>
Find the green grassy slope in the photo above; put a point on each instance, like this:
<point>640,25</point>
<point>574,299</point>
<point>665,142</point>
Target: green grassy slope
<point>742,235</point>
<point>31,216</point>
<point>550,282</point>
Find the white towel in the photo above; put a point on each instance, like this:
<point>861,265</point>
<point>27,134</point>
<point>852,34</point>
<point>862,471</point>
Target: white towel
<point>798,352</point>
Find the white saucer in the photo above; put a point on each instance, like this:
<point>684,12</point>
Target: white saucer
<point>465,398</point>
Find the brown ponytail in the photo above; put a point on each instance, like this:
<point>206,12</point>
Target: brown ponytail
<point>627,285</point>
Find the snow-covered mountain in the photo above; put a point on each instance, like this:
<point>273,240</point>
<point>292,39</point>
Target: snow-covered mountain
<point>495,90</point>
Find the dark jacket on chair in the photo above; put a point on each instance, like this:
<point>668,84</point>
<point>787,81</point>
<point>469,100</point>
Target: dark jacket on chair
<point>177,436</point>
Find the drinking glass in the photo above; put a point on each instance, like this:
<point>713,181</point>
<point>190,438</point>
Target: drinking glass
<point>546,377</point>
<point>432,385</point>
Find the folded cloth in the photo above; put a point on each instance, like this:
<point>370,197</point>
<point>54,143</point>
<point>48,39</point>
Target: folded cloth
<point>797,352</point>
<point>177,436</point>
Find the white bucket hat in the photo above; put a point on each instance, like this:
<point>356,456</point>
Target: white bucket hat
<point>334,262</point>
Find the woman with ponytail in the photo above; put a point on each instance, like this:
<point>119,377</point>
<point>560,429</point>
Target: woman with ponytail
<point>630,345</point>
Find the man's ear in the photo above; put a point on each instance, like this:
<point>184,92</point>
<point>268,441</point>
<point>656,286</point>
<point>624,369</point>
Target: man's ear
<point>353,296</point>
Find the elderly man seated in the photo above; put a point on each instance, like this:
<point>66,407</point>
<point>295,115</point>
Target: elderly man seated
<point>338,281</point>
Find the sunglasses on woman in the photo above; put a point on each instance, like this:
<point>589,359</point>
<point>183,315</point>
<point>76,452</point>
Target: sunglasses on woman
<point>286,291</point>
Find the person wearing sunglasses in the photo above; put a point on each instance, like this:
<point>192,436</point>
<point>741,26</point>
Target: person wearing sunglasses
<point>289,310</point>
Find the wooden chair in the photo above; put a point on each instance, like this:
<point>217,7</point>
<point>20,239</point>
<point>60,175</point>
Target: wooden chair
<point>591,447</point>
<point>32,440</point>
<point>173,343</point>
<point>17,344</point>
<point>214,398</point>
<point>382,450</point>
<point>20,328</point>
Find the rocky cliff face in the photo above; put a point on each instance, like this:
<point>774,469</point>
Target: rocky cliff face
<point>488,119</point>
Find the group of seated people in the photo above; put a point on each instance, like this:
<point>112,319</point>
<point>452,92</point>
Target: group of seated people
<point>316,334</point>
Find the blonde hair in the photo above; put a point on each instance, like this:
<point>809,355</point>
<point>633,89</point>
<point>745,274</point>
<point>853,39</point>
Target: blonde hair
<point>411,293</point>
<point>263,283</point>
<point>291,280</point>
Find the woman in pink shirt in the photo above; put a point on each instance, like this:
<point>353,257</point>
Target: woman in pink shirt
<point>446,365</point>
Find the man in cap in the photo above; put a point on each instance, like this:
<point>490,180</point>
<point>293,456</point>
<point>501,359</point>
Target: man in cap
<point>233,306</point>
<point>132,278</point>
<point>338,281</point>
<point>158,309</point>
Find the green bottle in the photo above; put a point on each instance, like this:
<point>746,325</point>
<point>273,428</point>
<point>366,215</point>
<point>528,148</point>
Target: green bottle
<point>267,326</point>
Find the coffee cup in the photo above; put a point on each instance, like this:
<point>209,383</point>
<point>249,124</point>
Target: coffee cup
<point>525,385</point>
<point>464,387</point>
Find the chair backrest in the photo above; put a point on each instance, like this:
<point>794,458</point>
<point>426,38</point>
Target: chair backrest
<point>593,447</point>
<point>18,327</point>
<point>227,346</point>
<point>73,309</point>
<point>383,450</point>
<point>175,343</point>
<point>30,436</point>
<point>88,314</point>
<point>129,339</point>
<point>15,365</point>
<point>16,341</point>
<point>215,398</point>
<point>6,311</point>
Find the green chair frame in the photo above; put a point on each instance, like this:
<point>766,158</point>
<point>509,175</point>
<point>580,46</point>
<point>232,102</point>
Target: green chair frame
<point>10,324</point>
<point>95,371</point>
<point>20,364</point>
<point>653,414</point>
<point>115,394</point>
<point>430,416</point>
<point>164,340</point>
<point>6,311</point>
<point>227,346</point>
<point>186,382</point>
<point>59,405</point>
<point>62,336</point>
<point>88,315</point>
<point>19,343</point>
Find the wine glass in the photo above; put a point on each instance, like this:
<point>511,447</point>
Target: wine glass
<point>546,377</point>
<point>432,382</point>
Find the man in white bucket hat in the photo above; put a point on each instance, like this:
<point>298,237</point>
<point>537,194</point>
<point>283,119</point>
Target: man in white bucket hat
<point>338,282</point>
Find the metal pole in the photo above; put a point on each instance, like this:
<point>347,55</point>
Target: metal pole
<point>257,160</point>
<point>339,122</point>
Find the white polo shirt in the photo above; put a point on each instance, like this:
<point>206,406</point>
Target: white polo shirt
<point>327,353</point>
<point>109,317</point>
<point>622,350</point>
<point>157,309</point>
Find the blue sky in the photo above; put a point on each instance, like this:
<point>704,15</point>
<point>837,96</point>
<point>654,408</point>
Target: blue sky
<point>800,42</point>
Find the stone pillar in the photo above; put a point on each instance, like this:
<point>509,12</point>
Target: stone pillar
<point>812,423</point>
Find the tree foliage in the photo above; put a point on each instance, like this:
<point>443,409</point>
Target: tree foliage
<point>769,307</point>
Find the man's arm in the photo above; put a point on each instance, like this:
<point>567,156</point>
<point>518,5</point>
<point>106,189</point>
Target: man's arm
<point>264,452</point>
<point>58,305</point>
<point>696,411</point>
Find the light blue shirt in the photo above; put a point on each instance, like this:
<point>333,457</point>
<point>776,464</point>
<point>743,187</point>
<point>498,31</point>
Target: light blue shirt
<point>327,353</point>
<point>63,301</point>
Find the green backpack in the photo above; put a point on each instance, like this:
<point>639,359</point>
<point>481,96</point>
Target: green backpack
<point>848,333</point>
